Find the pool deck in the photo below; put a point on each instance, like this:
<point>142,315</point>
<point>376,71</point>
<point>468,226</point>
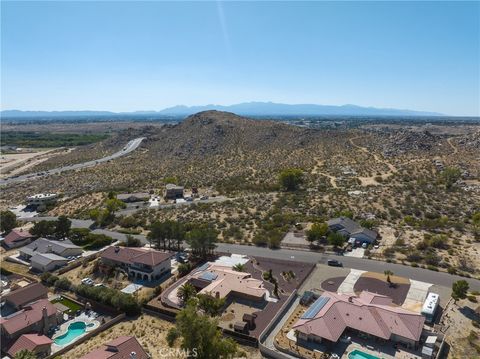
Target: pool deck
<point>87,319</point>
<point>355,347</point>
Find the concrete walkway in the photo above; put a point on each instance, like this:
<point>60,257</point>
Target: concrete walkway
<point>270,339</point>
<point>349,282</point>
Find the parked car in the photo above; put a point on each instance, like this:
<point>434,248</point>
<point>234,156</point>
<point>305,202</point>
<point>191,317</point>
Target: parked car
<point>334,263</point>
<point>88,281</point>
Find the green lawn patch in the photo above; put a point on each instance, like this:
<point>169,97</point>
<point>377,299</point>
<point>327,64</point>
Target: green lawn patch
<point>71,305</point>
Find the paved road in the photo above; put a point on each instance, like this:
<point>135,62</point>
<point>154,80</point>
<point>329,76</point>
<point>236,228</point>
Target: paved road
<point>129,147</point>
<point>424,275</point>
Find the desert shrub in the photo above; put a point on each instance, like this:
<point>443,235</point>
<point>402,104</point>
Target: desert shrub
<point>49,279</point>
<point>389,252</point>
<point>291,179</point>
<point>63,283</point>
<point>184,269</point>
<point>172,336</point>
<point>90,241</point>
<point>451,270</point>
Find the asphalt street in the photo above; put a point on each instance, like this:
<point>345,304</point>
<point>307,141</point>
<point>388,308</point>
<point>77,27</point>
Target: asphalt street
<point>129,147</point>
<point>420,274</point>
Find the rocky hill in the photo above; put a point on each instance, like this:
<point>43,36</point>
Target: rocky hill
<point>407,141</point>
<point>214,132</point>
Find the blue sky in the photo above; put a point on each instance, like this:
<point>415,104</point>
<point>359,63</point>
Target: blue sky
<point>126,56</point>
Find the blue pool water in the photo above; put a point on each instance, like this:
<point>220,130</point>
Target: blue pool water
<point>357,354</point>
<point>74,330</point>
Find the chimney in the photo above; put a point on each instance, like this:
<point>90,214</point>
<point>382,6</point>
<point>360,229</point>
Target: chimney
<point>49,248</point>
<point>45,320</point>
<point>350,299</point>
<point>133,355</point>
<point>117,249</point>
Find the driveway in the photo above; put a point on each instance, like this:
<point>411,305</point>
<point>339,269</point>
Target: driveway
<point>356,253</point>
<point>416,295</point>
<point>349,282</point>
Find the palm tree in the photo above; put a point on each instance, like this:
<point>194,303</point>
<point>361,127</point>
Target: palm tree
<point>186,291</point>
<point>388,273</point>
<point>239,267</point>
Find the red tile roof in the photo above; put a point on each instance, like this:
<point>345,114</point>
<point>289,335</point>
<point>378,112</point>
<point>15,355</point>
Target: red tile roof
<point>129,255</point>
<point>119,348</point>
<point>27,294</point>
<point>369,313</point>
<point>29,315</point>
<point>151,258</point>
<point>16,235</point>
<point>28,342</point>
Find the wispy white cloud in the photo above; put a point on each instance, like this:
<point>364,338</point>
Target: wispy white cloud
<point>223,24</point>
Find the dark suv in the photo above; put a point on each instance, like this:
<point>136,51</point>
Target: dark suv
<point>334,263</point>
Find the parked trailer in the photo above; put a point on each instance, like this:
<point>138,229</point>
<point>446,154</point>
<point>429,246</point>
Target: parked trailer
<point>430,307</point>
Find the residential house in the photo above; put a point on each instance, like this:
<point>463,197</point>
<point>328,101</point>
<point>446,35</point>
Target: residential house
<point>351,229</point>
<point>124,347</point>
<point>37,317</point>
<point>20,297</point>
<point>222,281</point>
<point>172,191</point>
<point>38,344</point>
<point>368,314</point>
<point>133,197</point>
<point>42,245</point>
<point>17,238</point>
<point>42,200</point>
<point>140,263</point>
<point>47,262</point>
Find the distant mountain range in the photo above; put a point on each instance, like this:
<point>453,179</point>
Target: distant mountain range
<point>245,109</point>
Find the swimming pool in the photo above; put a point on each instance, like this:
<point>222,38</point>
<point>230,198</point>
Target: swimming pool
<point>74,330</point>
<point>357,354</point>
